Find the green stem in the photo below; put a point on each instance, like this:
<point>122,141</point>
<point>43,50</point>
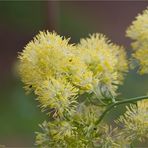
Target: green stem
<point>119,103</point>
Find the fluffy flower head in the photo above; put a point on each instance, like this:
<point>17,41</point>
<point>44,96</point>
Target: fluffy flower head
<point>138,32</point>
<point>105,60</point>
<point>135,121</point>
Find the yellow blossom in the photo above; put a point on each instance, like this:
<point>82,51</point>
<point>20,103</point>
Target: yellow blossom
<point>57,95</point>
<point>49,67</point>
<point>135,121</point>
<point>105,60</point>
<point>138,32</point>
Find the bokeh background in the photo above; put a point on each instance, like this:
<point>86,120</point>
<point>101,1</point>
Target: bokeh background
<point>20,21</point>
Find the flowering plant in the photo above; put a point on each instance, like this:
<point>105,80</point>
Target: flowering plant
<point>76,85</point>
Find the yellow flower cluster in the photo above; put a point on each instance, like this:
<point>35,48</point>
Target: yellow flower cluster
<point>58,71</point>
<point>58,95</point>
<point>111,138</point>
<point>49,68</point>
<point>138,31</point>
<point>135,121</point>
<point>104,59</point>
<point>80,132</point>
<point>75,83</point>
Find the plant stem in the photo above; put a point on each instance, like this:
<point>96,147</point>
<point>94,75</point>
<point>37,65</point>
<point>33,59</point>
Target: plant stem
<point>119,103</point>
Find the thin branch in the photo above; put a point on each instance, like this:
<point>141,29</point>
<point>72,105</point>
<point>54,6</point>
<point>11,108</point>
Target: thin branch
<point>119,103</point>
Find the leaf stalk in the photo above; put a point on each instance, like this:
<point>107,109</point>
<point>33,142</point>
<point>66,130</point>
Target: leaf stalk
<point>114,104</point>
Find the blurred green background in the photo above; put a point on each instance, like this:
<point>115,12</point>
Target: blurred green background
<point>20,21</point>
